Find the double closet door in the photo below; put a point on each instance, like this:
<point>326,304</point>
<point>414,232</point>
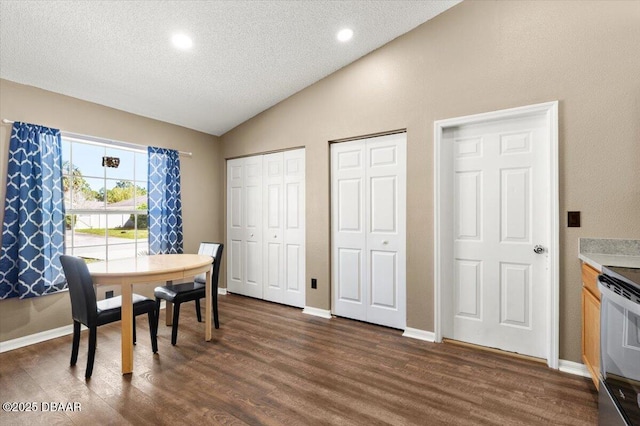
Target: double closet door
<point>368,229</point>
<point>266,227</point>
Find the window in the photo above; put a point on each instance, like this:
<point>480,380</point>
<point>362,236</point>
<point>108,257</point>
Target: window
<point>106,207</point>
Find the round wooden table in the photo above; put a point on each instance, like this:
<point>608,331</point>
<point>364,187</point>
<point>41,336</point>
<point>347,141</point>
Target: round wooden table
<point>150,269</point>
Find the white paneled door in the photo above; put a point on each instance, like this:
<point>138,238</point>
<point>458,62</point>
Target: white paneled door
<point>265,226</point>
<point>253,238</point>
<point>500,223</point>
<point>284,215</point>
<point>368,229</point>
<point>235,226</point>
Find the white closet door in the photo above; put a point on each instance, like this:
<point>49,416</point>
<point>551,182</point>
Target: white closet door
<point>266,227</point>
<point>294,228</point>
<point>385,199</point>
<point>253,227</point>
<point>273,264</point>
<point>348,230</point>
<point>368,205</point>
<point>235,225</point>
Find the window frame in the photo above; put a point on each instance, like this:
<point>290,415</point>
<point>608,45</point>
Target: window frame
<point>140,245</point>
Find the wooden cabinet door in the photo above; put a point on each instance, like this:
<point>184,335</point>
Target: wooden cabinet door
<point>591,334</point>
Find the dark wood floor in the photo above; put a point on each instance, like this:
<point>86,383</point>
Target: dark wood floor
<point>270,364</point>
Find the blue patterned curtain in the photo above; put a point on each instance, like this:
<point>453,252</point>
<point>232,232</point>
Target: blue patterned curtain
<point>165,207</point>
<point>33,226</point>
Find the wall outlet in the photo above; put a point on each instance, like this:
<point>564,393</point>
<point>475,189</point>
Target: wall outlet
<point>108,294</point>
<point>314,283</point>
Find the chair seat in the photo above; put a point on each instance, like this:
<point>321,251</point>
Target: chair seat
<point>110,310</point>
<point>180,292</point>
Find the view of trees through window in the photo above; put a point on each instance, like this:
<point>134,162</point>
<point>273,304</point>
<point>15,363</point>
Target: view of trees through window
<point>106,207</point>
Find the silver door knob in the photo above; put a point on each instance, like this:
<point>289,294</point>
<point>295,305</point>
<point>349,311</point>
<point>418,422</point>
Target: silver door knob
<point>251,235</point>
<point>275,236</point>
<point>538,249</point>
<point>385,242</point>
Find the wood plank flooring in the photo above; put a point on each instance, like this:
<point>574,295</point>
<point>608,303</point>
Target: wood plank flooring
<point>270,364</point>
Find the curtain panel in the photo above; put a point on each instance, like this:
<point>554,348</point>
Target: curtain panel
<point>33,225</point>
<point>165,205</point>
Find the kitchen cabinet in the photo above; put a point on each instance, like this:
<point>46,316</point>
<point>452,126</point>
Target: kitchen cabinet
<point>591,322</point>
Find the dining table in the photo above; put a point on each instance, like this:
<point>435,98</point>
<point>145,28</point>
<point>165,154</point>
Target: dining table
<point>159,268</point>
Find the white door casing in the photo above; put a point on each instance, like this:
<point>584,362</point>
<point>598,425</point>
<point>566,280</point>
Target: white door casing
<point>368,203</point>
<point>496,199</point>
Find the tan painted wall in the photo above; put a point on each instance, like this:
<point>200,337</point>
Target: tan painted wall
<point>202,179</point>
<point>479,57</point>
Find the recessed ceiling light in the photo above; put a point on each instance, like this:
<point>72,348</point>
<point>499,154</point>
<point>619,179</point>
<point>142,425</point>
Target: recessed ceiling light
<point>182,41</point>
<point>345,34</point>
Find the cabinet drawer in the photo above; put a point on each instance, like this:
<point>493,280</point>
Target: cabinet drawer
<point>590,279</point>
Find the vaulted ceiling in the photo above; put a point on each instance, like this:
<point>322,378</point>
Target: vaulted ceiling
<point>246,55</point>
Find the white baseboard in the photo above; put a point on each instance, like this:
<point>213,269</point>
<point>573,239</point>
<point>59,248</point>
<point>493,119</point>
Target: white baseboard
<point>575,368</point>
<point>222,291</point>
<point>32,339</point>
<point>416,333</point>
<point>322,313</point>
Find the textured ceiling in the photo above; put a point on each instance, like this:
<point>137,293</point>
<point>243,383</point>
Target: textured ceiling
<point>246,55</point>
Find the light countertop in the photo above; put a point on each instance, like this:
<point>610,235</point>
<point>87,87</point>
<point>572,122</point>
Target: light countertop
<point>597,260</point>
<point>599,252</point>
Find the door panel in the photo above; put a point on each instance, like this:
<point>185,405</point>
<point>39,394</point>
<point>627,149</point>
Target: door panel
<point>253,271</point>
<point>294,227</point>
<point>468,288</point>
<point>273,227</point>
<point>368,205</point>
<point>294,260</point>
<point>385,197</point>
<point>253,214</point>
<point>348,229</point>
<point>468,193</point>
<point>383,204</point>
<point>350,275</point>
<point>235,257</point>
<point>384,284</point>
<point>293,210</point>
<point>272,276</point>
<point>515,294</point>
<point>500,206</point>
<point>516,200</point>
<point>235,225</point>
<point>350,201</point>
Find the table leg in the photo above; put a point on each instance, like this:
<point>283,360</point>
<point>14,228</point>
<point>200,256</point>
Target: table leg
<point>168,311</point>
<point>208,312</point>
<point>127,328</point>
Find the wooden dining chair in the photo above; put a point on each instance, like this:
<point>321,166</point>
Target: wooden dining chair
<point>192,291</point>
<point>86,310</point>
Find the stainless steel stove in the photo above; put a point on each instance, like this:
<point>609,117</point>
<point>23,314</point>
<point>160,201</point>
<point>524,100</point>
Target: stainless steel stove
<point>619,400</point>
